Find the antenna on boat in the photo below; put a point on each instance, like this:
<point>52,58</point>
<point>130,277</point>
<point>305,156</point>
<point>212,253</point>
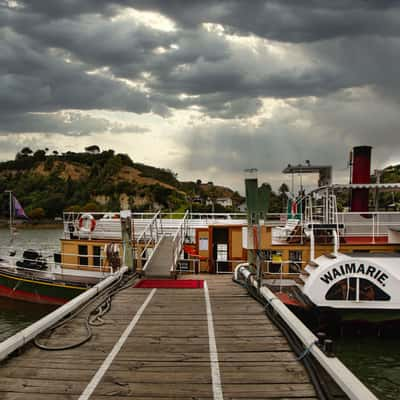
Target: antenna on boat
<point>11,212</point>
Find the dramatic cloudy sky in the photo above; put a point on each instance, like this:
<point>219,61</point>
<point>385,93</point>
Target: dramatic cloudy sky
<point>206,88</point>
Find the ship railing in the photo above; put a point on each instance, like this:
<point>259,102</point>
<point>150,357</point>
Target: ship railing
<point>97,263</point>
<point>108,223</point>
<point>178,240</point>
<point>275,267</point>
<point>292,232</point>
<point>149,239</point>
<point>374,225</point>
<point>226,267</point>
<point>188,265</point>
<point>56,271</point>
<point>275,219</point>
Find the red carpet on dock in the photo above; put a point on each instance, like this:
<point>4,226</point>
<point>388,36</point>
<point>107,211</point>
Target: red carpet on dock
<point>170,284</point>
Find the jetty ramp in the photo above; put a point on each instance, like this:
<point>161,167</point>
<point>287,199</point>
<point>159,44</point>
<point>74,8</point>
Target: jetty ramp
<point>212,341</point>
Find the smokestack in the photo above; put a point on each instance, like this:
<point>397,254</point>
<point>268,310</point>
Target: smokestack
<point>361,173</point>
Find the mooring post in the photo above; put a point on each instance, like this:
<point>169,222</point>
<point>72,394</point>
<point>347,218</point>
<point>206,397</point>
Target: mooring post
<point>127,236</point>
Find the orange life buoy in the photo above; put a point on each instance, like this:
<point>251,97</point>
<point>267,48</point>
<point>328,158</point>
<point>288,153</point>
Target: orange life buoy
<point>87,223</point>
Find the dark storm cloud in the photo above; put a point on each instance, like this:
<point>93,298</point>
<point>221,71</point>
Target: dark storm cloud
<point>66,123</point>
<point>284,20</point>
<point>321,130</point>
<point>288,20</point>
<point>49,51</point>
<point>194,61</point>
<point>34,78</point>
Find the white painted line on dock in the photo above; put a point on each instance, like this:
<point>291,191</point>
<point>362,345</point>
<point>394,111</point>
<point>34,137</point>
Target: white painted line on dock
<point>90,388</point>
<point>215,374</point>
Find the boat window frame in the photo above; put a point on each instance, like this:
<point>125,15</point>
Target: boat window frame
<point>96,259</point>
<point>83,258</point>
<point>384,295</point>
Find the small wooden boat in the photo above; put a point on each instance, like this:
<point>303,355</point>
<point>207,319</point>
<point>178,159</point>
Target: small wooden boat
<point>87,256</point>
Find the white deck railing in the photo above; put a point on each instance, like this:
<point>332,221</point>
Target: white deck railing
<point>108,227</point>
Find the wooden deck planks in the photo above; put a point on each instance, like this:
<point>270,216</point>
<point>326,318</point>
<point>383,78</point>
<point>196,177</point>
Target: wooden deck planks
<point>167,354</point>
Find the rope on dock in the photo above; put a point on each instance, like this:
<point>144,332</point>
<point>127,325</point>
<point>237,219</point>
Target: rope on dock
<point>94,317</point>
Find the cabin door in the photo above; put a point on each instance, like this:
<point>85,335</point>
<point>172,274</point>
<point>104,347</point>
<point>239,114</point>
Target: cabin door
<point>221,250</point>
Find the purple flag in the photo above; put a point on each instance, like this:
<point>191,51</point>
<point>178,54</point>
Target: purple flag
<point>19,211</point>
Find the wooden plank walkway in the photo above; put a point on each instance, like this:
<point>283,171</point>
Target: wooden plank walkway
<point>167,354</point>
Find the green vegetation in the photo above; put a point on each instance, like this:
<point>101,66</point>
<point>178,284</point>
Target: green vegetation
<point>48,184</point>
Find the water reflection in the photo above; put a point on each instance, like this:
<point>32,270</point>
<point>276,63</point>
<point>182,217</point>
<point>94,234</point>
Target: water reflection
<point>16,315</point>
<point>376,361</point>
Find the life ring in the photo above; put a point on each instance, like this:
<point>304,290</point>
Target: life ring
<point>86,223</point>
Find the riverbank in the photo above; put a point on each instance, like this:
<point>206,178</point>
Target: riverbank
<point>33,225</point>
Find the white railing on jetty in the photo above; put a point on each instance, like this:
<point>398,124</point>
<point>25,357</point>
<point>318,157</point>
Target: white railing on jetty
<point>346,380</point>
<point>26,335</point>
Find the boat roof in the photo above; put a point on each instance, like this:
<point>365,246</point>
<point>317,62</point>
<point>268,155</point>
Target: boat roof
<point>388,187</point>
<point>361,254</point>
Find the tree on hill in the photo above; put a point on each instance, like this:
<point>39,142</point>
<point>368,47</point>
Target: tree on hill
<point>39,155</point>
<point>93,149</point>
<point>26,151</point>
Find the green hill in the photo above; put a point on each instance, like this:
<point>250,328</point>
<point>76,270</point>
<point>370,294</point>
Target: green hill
<point>48,184</point>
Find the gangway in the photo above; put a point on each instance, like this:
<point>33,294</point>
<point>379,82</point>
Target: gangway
<point>167,250</point>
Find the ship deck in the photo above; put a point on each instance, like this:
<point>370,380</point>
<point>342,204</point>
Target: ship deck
<point>163,343</point>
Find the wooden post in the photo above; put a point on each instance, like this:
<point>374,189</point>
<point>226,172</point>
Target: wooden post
<point>126,235</point>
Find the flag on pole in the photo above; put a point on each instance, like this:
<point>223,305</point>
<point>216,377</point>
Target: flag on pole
<point>18,210</point>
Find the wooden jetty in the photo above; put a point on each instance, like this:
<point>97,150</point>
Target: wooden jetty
<point>207,343</point>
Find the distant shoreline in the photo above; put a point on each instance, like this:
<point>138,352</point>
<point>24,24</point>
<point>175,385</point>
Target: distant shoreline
<point>34,225</point>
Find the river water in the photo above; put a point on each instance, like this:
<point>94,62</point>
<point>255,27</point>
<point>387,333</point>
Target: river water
<point>376,361</point>
<point>16,315</point>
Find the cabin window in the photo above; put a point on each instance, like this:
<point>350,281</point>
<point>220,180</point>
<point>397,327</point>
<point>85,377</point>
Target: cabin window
<point>346,289</point>
<point>83,252</point>
<point>343,290</point>
<point>96,256</point>
<point>295,258</point>
<point>369,291</point>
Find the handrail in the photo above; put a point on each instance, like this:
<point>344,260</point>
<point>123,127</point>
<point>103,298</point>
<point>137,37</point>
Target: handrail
<point>26,335</point>
<point>150,234</point>
<point>346,380</point>
<point>148,226</point>
<point>178,240</point>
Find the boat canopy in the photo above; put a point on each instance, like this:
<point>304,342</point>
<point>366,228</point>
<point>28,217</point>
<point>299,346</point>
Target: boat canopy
<point>382,187</point>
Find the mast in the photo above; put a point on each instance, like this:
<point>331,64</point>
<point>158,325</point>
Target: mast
<point>11,212</point>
